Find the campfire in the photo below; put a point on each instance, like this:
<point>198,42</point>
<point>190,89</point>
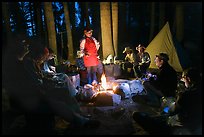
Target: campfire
<point>111,91</point>
<point>106,86</point>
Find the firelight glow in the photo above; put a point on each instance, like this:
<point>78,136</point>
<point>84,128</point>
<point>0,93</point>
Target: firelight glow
<point>103,82</point>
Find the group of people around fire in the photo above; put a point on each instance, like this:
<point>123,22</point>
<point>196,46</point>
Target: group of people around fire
<point>35,83</point>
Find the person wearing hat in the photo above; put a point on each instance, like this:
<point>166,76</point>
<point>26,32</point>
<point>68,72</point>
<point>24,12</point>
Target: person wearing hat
<point>127,66</point>
<point>89,46</point>
<point>164,85</point>
<point>142,61</point>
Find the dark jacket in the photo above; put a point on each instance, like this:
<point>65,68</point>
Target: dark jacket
<point>166,80</point>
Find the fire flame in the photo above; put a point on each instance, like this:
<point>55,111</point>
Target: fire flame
<point>103,82</point>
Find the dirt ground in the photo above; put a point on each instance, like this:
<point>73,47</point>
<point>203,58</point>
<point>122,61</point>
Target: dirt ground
<point>115,120</point>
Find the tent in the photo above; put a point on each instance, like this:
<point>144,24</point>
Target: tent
<point>163,42</point>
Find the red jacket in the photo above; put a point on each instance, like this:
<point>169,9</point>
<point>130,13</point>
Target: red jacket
<point>90,48</point>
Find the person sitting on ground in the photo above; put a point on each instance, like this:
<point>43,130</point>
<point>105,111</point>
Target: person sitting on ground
<point>49,67</point>
<point>49,71</point>
<point>57,98</point>
<point>163,86</point>
<point>142,61</point>
<point>129,61</point>
<point>14,74</point>
<point>189,100</point>
<point>184,115</point>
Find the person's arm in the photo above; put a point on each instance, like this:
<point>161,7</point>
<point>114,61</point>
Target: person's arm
<point>34,78</point>
<point>82,45</point>
<point>96,43</point>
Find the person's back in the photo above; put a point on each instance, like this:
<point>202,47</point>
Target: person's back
<point>21,92</point>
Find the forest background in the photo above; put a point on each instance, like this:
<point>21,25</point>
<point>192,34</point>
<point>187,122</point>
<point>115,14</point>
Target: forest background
<point>59,25</point>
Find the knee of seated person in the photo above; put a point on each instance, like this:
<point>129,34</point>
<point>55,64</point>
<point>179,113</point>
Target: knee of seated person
<point>146,83</point>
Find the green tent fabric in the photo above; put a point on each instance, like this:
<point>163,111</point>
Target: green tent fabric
<point>163,42</point>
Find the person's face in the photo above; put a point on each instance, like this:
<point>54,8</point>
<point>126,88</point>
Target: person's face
<point>88,34</point>
<point>186,80</point>
<point>158,62</point>
<point>140,50</point>
<point>50,56</point>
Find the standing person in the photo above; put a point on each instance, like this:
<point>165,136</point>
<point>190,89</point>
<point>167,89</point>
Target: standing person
<point>50,72</point>
<point>163,86</point>
<point>142,61</point>
<point>129,61</point>
<point>89,47</point>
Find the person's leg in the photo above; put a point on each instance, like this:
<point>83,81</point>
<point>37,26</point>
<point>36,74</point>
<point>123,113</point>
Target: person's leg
<point>152,124</point>
<point>66,111</point>
<point>70,114</point>
<point>69,84</point>
<point>143,69</point>
<point>89,75</point>
<point>63,95</point>
<point>150,98</point>
<point>137,72</point>
<point>153,94</point>
<point>94,70</point>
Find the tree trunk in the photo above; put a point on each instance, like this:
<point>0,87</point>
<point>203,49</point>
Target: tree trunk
<point>72,12</point>
<point>69,34</point>
<point>107,47</point>
<point>32,19</point>
<point>162,20</point>
<point>6,17</point>
<point>152,21</point>
<point>122,21</point>
<point>115,26</point>
<point>38,20</point>
<point>49,17</point>
<point>20,20</point>
<point>179,22</point>
<point>86,13</point>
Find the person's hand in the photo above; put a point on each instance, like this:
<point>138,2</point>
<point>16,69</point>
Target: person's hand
<point>140,64</point>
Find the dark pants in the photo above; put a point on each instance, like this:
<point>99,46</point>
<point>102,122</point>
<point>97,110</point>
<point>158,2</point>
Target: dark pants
<point>152,97</point>
<point>154,125</point>
<point>140,70</point>
<point>91,74</point>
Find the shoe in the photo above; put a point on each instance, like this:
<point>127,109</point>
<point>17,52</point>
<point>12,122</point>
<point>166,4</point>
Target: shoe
<point>92,124</point>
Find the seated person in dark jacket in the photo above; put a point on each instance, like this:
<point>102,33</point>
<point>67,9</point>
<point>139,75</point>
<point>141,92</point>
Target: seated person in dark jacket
<point>19,91</point>
<point>58,99</point>
<point>164,85</point>
<point>186,116</point>
<point>189,101</point>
